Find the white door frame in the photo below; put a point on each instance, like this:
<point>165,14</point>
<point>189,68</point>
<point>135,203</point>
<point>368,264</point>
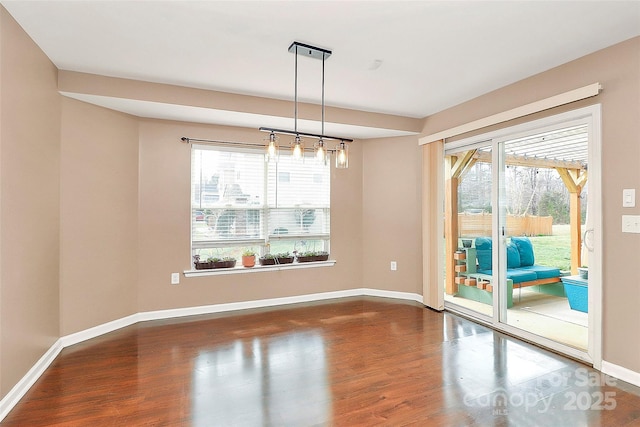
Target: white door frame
<point>591,116</point>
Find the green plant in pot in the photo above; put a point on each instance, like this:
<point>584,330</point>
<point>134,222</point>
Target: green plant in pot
<point>280,258</point>
<point>284,258</point>
<point>311,256</point>
<point>201,265</point>
<point>267,259</point>
<point>248,258</point>
<point>583,272</point>
<point>225,262</point>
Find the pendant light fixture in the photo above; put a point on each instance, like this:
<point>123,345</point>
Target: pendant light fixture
<point>321,152</point>
<point>297,146</point>
<point>320,149</point>
<point>272,148</point>
<point>342,156</point>
<point>297,150</point>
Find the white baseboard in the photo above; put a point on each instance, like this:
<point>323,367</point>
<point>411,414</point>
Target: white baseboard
<point>624,374</point>
<point>392,294</point>
<point>271,302</point>
<point>21,388</point>
<point>96,331</point>
<point>244,305</point>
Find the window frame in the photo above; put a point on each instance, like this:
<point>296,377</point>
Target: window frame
<point>266,238</point>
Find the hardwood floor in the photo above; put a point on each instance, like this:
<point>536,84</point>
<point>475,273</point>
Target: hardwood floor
<point>349,362</point>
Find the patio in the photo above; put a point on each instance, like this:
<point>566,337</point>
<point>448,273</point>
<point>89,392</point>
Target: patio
<point>544,315</point>
<point>542,309</point>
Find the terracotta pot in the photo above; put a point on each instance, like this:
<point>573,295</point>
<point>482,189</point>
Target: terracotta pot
<point>248,261</point>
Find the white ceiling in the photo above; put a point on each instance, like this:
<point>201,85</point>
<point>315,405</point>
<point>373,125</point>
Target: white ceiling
<point>434,54</point>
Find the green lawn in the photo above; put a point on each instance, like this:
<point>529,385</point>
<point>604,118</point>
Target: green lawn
<point>555,250</point>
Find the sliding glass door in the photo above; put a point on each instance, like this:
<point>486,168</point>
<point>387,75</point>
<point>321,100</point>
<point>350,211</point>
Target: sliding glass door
<point>515,208</point>
<point>469,228</point>
<point>543,177</point>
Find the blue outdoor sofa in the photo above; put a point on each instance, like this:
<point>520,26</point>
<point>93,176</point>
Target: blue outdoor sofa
<point>521,270</point>
<point>521,267</point>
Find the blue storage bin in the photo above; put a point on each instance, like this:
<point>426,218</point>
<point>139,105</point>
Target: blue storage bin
<point>577,291</point>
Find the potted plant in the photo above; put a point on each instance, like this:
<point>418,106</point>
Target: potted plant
<point>312,256</point>
<point>305,256</point>
<point>248,258</point>
<point>267,259</point>
<point>284,258</point>
<point>200,265</point>
<point>225,262</point>
<point>583,272</point>
<point>322,256</point>
<point>272,259</point>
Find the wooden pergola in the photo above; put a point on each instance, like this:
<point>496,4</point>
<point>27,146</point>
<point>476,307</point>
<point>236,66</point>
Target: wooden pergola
<point>573,173</point>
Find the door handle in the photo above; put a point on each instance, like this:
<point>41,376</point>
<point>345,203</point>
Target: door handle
<point>586,238</point>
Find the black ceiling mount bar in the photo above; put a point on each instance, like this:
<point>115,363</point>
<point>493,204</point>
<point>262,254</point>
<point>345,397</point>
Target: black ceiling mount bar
<point>217,141</point>
<point>298,48</point>
<point>310,51</point>
<point>312,135</point>
<point>188,140</point>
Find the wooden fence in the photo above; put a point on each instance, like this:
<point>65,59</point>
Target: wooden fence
<point>475,225</point>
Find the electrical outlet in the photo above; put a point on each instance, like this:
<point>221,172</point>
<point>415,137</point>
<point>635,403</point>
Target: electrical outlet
<point>175,278</point>
<point>394,266</point>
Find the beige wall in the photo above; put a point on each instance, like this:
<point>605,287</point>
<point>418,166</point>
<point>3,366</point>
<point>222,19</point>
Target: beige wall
<point>122,196</point>
<point>391,220</point>
<point>165,220</point>
<point>111,87</point>
<point>618,69</point>
<point>29,210</point>
<point>99,216</point>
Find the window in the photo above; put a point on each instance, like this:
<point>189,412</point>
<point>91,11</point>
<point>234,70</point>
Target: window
<point>241,202</point>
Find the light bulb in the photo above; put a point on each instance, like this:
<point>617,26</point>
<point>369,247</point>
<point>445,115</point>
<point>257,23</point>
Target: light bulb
<point>298,150</point>
<point>272,148</point>
<point>321,152</point>
<point>342,156</point>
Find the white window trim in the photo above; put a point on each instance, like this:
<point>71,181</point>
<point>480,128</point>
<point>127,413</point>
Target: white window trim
<point>260,242</point>
<point>258,268</point>
<point>592,116</point>
<point>515,113</point>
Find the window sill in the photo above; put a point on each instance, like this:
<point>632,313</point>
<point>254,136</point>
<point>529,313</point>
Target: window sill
<point>258,268</point>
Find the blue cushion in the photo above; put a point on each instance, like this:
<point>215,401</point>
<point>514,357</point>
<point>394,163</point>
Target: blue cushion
<point>543,272</point>
<point>483,253</point>
<point>525,248</point>
<point>513,256</point>
<point>517,275</point>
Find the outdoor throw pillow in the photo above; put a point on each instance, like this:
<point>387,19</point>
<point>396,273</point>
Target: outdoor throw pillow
<point>483,253</point>
<point>513,256</point>
<point>525,247</point>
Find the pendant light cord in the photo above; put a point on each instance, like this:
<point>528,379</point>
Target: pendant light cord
<point>295,92</point>
<point>322,132</point>
<point>316,53</point>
